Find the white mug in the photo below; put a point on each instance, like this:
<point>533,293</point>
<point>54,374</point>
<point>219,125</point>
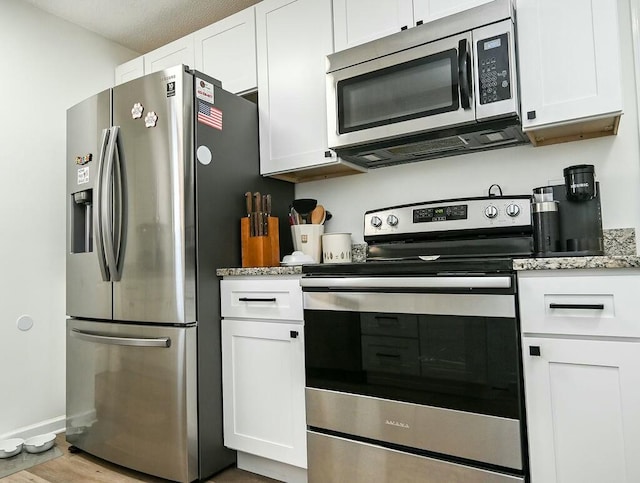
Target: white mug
<point>336,248</point>
<point>306,239</point>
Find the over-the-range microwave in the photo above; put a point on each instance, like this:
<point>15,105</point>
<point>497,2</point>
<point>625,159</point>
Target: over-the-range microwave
<point>441,88</point>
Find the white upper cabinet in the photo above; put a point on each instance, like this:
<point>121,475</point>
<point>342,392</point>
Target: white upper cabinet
<point>569,61</point>
<point>293,39</point>
<point>358,21</point>
<point>226,50</point>
<point>130,70</point>
<point>177,52</point>
<point>427,10</point>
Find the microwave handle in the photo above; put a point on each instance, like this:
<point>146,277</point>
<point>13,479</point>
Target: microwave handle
<point>464,73</point>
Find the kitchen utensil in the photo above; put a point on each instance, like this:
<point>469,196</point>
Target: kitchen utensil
<point>40,443</point>
<point>10,447</point>
<point>257,205</point>
<point>304,206</point>
<point>318,215</point>
<point>336,248</point>
<point>249,203</point>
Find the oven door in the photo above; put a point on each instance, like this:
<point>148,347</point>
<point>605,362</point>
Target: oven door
<point>428,363</point>
<point>419,89</point>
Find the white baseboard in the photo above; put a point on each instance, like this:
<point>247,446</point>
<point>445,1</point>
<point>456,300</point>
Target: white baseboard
<point>53,425</point>
<point>271,469</point>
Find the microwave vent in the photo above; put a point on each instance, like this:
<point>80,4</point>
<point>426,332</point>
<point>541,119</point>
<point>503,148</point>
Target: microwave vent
<point>426,147</point>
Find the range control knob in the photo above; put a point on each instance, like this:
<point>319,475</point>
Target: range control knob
<point>513,210</point>
<point>392,220</point>
<point>376,222</point>
<point>491,211</point>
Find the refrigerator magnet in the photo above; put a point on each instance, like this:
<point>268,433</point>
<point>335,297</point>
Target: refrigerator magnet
<point>151,119</point>
<point>203,154</point>
<point>204,90</point>
<point>136,110</point>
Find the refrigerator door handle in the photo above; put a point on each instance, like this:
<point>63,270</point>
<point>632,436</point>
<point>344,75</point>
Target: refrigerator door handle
<point>126,341</point>
<point>119,212</point>
<point>108,205</point>
<point>98,225</point>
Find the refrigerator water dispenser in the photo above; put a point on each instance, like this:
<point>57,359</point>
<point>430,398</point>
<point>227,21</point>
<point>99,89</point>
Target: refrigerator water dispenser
<point>81,229</point>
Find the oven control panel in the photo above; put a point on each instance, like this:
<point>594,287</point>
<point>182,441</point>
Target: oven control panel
<point>485,213</point>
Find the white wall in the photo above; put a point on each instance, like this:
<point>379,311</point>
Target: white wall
<point>517,170</point>
<point>47,66</point>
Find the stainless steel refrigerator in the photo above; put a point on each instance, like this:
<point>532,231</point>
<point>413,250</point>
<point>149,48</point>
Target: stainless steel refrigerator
<point>157,169</point>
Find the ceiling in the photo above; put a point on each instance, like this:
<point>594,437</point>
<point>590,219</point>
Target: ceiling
<point>142,25</point>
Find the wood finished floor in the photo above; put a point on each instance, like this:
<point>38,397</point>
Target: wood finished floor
<point>84,468</point>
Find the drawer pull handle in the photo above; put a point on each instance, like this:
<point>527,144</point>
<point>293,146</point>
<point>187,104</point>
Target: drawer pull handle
<point>390,356</point>
<point>577,306</point>
<point>293,334</point>
<point>248,299</point>
<point>534,350</point>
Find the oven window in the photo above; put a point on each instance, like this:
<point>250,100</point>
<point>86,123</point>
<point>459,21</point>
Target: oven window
<point>418,88</point>
<point>456,362</point>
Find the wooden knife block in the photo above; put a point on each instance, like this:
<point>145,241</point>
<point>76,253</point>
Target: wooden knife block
<point>260,251</point>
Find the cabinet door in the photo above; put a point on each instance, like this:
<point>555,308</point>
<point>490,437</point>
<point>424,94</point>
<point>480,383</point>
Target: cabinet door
<point>358,21</point>
<point>177,52</point>
<point>428,10</point>
<point>569,61</point>
<point>582,400</point>
<point>263,389</point>
<point>130,70</point>
<point>293,39</point>
<point>226,51</point>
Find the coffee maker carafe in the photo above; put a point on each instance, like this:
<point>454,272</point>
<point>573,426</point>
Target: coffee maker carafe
<point>576,207</point>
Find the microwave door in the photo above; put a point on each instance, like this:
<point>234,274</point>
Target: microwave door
<point>421,89</point>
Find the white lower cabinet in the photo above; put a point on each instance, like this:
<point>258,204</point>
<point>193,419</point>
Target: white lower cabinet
<point>263,375</point>
<point>583,410</point>
<point>582,385</point>
<point>263,379</point>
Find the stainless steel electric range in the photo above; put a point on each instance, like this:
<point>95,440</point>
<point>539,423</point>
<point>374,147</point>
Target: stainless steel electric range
<point>413,368</point>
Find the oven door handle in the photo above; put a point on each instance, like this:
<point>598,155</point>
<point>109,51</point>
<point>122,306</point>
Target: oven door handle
<point>406,282</point>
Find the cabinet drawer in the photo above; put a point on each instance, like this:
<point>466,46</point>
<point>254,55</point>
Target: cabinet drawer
<point>590,303</point>
<point>261,299</point>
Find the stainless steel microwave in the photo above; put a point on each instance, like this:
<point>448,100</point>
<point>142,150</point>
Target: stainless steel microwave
<point>442,88</point>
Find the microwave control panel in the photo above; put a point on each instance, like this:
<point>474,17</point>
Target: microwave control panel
<point>493,69</point>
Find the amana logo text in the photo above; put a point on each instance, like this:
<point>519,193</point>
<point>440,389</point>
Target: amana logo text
<point>396,423</point>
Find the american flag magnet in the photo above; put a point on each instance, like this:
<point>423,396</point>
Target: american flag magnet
<point>209,115</point>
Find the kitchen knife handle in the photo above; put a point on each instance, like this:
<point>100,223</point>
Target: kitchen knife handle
<point>249,203</point>
<point>257,206</point>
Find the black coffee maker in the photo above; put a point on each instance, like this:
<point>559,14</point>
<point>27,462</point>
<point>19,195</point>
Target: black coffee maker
<point>567,218</point>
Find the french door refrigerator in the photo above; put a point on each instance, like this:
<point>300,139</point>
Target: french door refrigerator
<point>157,169</point>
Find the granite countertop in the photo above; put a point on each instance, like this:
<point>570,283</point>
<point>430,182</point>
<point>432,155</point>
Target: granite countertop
<point>557,263</point>
<point>283,270</point>
<point>359,253</point>
<point>619,248</point>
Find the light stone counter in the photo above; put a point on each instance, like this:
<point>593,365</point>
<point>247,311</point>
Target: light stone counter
<point>359,253</point>
<point>619,248</point>
<point>558,263</point>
